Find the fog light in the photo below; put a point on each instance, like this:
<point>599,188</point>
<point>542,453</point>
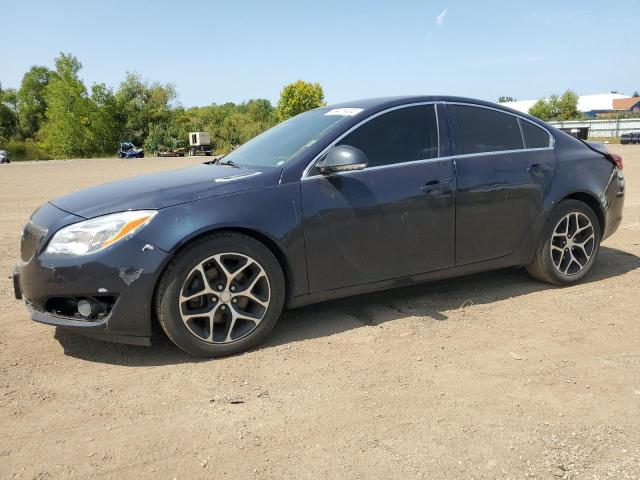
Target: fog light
<point>87,308</point>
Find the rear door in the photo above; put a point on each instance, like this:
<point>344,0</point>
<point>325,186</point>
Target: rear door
<point>392,219</point>
<point>504,166</point>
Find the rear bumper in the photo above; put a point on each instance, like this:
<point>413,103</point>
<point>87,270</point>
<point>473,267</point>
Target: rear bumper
<point>614,203</point>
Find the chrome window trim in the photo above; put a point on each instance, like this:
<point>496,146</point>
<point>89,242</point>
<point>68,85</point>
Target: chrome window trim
<point>366,120</point>
<point>429,160</point>
<point>305,173</point>
<point>551,139</point>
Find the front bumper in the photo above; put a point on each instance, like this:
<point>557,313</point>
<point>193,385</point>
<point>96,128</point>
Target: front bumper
<point>126,273</point>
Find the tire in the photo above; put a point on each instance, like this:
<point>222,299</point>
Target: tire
<point>573,253</point>
<point>205,322</point>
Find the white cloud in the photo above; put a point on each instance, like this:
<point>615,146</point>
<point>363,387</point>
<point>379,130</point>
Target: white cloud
<point>440,18</point>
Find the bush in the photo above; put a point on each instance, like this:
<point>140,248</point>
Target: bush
<point>25,150</point>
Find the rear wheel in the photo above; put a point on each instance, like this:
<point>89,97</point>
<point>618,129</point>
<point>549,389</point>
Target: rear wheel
<point>569,244</point>
<point>221,296</point>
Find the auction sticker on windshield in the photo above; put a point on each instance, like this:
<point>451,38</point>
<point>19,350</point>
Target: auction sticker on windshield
<point>344,112</point>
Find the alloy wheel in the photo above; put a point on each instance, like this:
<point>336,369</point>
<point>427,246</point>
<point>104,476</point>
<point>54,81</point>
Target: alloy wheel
<point>224,298</point>
<point>572,243</point>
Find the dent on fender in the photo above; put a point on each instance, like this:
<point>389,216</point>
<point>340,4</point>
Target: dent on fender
<point>129,276</point>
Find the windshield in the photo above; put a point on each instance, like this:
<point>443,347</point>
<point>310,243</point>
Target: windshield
<point>281,143</point>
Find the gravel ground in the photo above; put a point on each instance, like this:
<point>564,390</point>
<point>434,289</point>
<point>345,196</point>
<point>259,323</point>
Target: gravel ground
<point>489,376</point>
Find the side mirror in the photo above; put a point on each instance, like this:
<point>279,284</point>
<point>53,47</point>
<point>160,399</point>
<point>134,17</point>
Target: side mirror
<point>343,158</point>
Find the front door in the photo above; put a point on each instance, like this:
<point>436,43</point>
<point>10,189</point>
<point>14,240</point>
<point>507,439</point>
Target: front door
<point>392,219</point>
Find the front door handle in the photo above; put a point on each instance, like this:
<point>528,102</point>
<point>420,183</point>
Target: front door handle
<point>436,188</point>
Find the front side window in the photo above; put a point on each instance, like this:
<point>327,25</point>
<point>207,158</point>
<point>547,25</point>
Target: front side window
<point>482,130</point>
<point>402,135</point>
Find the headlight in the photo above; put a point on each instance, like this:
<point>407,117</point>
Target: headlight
<point>93,235</point>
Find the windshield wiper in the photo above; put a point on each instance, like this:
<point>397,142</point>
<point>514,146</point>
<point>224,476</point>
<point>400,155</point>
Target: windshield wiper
<point>230,163</point>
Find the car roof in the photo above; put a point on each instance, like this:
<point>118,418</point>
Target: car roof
<point>367,103</point>
<point>372,105</point>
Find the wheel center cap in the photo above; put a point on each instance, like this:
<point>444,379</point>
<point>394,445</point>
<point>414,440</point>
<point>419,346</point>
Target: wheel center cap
<point>225,297</point>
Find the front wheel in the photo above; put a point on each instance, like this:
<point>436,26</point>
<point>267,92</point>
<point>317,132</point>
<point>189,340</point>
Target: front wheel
<point>221,295</point>
<point>569,244</point>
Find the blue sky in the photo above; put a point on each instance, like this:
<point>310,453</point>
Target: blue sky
<point>239,49</point>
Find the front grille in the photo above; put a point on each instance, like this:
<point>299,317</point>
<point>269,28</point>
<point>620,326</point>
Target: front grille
<point>32,236</point>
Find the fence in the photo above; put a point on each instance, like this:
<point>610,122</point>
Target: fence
<point>603,128</point>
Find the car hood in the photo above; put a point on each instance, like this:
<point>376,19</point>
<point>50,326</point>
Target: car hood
<point>164,189</point>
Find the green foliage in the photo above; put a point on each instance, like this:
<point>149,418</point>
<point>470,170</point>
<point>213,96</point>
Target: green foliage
<point>564,107</point>
<point>105,121</point>
<point>8,114</point>
<point>568,106</point>
<point>618,114</point>
<point>506,99</point>
<point>55,114</point>
<point>32,103</point>
<point>142,105</point>
<point>541,109</point>
<point>299,97</point>
<point>25,150</point>
<point>228,124</point>
<point>164,135</point>
<point>66,130</point>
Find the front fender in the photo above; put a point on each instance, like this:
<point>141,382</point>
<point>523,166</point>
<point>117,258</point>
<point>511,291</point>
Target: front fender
<point>272,212</point>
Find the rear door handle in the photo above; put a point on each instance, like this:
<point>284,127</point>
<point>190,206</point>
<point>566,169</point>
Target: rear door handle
<point>537,170</point>
<point>436,188</point>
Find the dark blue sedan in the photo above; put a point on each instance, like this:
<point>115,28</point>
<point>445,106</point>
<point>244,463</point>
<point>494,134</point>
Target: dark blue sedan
<point>352,198</point>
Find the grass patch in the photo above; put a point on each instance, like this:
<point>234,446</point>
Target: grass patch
<point>605,139</point>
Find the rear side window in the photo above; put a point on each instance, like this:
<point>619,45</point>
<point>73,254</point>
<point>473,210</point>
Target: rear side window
<point>534,136</point>
<point>484,130</point>
<point>402,135</point>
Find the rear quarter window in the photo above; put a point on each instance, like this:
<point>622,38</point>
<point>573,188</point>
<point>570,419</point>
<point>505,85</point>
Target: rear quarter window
<point>534,136</point>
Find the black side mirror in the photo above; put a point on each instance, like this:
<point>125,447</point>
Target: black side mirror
<point>343,158</point>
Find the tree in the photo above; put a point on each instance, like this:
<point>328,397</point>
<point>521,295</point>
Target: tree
<point>557,108</point>
<point>299,97</point>
<point>66,129</point>
<point>105,121</point>
<point>636,94</point>
<point>142,105</point>
<point>32,103</point>
<point>8,114</point>
<point>568,106</point>
<point>506,99</point>
<point>541,110</point>
<point>261,111</point>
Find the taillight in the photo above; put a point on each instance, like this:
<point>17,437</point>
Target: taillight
<point>617,159</point>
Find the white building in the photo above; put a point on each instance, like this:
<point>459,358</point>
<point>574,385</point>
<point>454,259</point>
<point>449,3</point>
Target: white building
<point>589,104</point>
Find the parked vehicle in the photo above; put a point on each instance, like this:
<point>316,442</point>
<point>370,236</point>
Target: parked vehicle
<point>581,133</point>
<point>4,157</point>
<point>337,201</point>
<point>129,150</point>
<point>167,152</point>
<point>629,138</point>
<point>200,143</point>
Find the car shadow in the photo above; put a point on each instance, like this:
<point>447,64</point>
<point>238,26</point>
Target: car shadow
<point>430,300</point>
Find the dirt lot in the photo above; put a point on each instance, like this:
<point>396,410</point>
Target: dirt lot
<point>489,376</point>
